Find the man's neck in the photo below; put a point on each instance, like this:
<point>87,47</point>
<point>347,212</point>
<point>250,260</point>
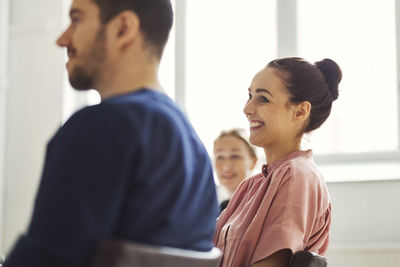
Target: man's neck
<point>128,78</point>
<point>130,87</point>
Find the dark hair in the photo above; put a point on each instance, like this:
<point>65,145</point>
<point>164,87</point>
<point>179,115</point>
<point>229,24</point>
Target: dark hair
<point>155,18</point>
<point>239,134</point>
<point>317,84</point>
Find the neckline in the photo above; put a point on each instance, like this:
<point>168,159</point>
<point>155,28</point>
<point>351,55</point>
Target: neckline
<point>267,168</point>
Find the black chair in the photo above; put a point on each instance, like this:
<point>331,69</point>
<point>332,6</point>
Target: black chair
<point>117,253</point>
<point>308,259</point>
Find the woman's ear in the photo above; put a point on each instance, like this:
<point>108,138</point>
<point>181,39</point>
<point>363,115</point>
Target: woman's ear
<point>125,28</point>
<point>302,111</point>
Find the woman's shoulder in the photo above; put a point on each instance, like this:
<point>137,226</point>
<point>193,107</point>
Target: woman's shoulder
<point>303,175</point>
<point>248,184</point>
<point>302,167</point>
<point>259,177</point>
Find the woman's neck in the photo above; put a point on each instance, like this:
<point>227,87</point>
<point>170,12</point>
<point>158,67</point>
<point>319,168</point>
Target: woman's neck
<point>277,152</point>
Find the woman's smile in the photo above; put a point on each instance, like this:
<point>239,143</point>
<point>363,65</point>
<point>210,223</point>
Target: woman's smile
<point>255,124</point>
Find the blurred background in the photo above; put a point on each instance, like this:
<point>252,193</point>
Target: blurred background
<point>214,50</point>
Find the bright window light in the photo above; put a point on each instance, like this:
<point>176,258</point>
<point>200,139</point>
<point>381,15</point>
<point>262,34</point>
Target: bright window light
<point>167,64</point>
<point>228,42</point>
<point>360,36</point>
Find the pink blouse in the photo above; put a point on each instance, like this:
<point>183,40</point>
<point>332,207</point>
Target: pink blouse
<point>287,206</point>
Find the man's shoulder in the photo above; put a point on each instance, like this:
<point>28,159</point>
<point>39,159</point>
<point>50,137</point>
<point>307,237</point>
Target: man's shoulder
<point>95,122</point>
<point>143,99</point>
<point>146,105</point>
<point>144,115</point>
<point>140,105</point>
<point>93,115</point>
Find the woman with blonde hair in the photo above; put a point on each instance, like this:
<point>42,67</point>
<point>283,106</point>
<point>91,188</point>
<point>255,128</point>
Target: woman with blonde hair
<point>234,160</point>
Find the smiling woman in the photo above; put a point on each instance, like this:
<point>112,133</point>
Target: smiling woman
<point>285,208</point>
<point>234,160</point>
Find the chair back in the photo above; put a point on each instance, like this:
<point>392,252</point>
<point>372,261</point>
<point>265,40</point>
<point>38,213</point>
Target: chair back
<point>308,259</point>
<point>117,253</point>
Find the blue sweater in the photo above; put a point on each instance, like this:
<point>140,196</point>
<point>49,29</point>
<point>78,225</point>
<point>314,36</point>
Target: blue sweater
<point>131,167</point>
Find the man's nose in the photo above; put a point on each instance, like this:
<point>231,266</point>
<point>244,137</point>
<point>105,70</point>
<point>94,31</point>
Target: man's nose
<point>63,40</point>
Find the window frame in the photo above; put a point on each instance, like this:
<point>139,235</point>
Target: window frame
<point>287,46</point>
<point>4,42</point>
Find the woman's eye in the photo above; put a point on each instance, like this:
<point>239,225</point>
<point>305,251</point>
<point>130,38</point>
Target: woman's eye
<point>219,158</point>
<point>235,157</point>
<point>263,99</point>
<point>249,96</point>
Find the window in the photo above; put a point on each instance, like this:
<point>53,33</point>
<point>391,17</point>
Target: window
<point>4,24</point>
<point>360,35</point>
<point>167,64</point>
<point>227,42</point>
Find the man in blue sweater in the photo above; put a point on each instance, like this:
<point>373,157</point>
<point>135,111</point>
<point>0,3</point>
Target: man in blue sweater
<point>131,167</point>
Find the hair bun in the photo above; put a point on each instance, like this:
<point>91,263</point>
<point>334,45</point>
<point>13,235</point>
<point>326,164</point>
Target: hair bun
<point>332,74</point>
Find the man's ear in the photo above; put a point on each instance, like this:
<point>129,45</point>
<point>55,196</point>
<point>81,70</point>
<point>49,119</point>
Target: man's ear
<point>125,28</point>
<point>302,111</point>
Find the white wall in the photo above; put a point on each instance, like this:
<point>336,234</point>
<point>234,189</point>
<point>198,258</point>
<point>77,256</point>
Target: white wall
<point>34,105</point>
<point>3,87</point>
<point>366,224</point>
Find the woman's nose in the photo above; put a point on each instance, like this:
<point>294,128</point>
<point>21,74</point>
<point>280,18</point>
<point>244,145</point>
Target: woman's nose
<point>248,108</point>
<point>225,167</point>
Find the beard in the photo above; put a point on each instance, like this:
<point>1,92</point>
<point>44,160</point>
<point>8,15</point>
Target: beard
<point>81,79</point>
<point>85,75</point>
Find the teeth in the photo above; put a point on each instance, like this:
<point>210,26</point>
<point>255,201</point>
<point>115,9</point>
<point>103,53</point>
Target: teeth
<point>255,124</point>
